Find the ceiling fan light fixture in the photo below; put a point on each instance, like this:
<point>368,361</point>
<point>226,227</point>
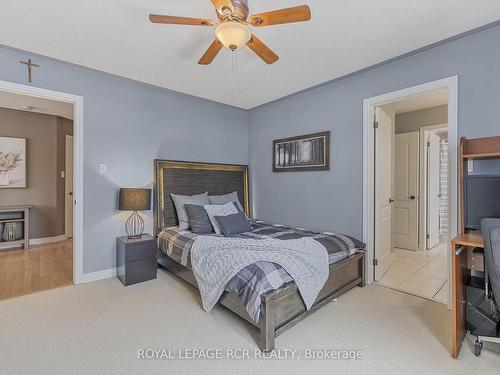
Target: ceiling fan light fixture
<point>232,34</point>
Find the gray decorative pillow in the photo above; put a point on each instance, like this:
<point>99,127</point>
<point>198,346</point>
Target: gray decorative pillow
<point>233,224</point>
<point>181,200</point>
<point>219,210</point>
<point>226,198</point>
<point>198,219</point>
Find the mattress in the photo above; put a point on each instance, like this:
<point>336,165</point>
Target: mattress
<point>261,277</point>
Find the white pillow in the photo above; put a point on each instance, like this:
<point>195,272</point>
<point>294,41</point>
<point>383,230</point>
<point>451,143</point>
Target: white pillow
<point>219,210</point>
<point>226,198</point>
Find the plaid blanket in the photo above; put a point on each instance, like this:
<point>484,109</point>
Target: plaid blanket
<point>261,277</point>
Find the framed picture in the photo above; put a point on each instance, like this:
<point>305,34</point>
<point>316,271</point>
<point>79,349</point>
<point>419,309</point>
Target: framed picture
<point>309,152</point>
<point>12,162</point>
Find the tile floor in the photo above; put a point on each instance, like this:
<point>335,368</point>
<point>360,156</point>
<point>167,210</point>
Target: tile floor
<point>422,273</point>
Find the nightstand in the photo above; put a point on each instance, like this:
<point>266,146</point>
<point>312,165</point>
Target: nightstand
<point>136,259</point>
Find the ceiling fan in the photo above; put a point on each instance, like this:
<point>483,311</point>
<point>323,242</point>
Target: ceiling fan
<point>232,28</point>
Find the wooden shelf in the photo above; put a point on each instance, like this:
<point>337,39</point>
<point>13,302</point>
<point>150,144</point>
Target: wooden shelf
<point>482,155</point>
<point>473,239</point>
<point>481,147</point>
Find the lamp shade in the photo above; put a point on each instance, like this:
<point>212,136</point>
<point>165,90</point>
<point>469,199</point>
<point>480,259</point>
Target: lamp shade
<point>232,35</point>
<point>134,199</point>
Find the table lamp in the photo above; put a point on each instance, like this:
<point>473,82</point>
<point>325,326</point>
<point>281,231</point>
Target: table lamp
<point>134,199</point>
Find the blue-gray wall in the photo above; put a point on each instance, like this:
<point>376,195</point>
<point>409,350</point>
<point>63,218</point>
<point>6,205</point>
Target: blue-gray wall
<point>127,124</point>
<point>333,200</point>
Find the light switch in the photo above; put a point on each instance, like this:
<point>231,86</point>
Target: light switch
<point>63,174</point>
<point>103,168</point>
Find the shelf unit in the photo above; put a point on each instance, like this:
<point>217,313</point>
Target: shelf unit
<point>464,244</point>
<point>474,148</point>
<point>16,214</point>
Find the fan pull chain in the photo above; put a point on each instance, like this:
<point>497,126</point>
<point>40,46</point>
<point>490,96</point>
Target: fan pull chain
<point>234,61</point>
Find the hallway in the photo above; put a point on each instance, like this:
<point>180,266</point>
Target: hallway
<point>421,273</point>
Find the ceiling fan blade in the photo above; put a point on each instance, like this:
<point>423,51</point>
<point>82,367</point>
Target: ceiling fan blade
<point>210,53</point>
<point>174,20</point>
<point>261,50</point>
<point>276,17</point>
<point>221,5</point>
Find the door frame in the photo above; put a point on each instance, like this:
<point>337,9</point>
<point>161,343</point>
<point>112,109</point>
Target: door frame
<point>77,102</point>
<point>369,104</point>
<point>423,184</point>
<point>67,189</point>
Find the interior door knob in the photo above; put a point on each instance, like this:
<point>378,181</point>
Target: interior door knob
<point>412,197</point>
<point>391,200</point>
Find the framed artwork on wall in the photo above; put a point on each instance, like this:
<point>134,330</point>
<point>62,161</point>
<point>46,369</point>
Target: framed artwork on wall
<point>310,152</point>
<point>12,162</point>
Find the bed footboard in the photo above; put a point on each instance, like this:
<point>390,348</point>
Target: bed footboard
<point>283,308</point>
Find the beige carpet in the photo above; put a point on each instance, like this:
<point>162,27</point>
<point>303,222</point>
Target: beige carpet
<point>98,328</point>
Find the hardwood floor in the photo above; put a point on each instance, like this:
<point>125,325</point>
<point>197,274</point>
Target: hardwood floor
<point>38,268</point>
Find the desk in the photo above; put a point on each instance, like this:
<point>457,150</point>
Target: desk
<point>460,246</point>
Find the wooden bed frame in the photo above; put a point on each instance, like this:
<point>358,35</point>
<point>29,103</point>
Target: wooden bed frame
<point>282,308</point>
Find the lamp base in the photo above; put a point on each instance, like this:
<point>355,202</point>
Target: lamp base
<point>134,227</point>
<point>135,237</point>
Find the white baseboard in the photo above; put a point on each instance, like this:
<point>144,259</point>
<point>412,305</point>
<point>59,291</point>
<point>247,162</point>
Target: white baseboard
<point>44,240</point>
<point>95,276</point>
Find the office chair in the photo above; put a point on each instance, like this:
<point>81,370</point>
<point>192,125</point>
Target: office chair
<point>491,236</point>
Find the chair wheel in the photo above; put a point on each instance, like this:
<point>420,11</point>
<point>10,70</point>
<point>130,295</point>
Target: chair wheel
<point>478,346</point>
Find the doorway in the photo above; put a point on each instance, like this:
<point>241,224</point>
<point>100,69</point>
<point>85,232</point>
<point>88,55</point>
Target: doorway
<point>393,178</point>
<point>58,242</point>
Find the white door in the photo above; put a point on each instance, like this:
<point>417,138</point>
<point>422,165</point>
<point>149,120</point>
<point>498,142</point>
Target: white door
<point>68,184</point>
<point>383,193</point>
<point>405,227</point>
<point>432,190</point>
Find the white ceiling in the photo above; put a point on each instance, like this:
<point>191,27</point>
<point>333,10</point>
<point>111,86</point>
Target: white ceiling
<point>417,102</point>
<point>343,36</point>
<point>33,104</point>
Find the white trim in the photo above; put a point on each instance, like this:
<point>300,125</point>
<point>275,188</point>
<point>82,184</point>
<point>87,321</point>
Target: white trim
<point>67,189</point>
<point>98,275</point>
<point>422,211</point>
<point>44,240</point>
<point>77,102</point>
<point>369,104</point>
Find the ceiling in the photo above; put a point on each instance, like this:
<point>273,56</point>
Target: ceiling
<point>343,36</point>
<point>417,102</point>
<point>33,104</point>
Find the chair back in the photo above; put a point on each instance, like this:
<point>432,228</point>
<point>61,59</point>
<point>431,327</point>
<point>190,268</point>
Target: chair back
<point>491,237</point>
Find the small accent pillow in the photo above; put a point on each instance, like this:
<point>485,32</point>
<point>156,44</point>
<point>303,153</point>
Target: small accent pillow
<point>233,224</point>
<point>198,219</point>
<point>181,200</point>
<point>226,198</point>
<point>219,210</point>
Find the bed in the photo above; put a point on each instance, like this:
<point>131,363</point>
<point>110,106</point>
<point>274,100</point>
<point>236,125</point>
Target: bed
<point>277,308</point>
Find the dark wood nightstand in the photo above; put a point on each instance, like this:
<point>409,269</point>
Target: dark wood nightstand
<point>136,259</point>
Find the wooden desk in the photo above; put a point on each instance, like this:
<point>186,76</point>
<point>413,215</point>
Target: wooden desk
<point>461,244</point>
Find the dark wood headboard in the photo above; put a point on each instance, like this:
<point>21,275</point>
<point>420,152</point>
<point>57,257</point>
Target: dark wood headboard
<point>189,178</point>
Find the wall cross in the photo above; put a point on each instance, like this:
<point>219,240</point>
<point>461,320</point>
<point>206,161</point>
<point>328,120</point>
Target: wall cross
<point>30,66</point>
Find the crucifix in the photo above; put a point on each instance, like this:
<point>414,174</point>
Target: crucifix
<point>30,65</point>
